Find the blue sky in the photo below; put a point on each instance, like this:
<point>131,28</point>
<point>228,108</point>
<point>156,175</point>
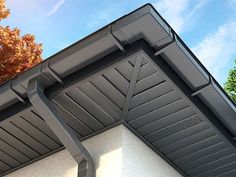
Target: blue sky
<point>208,27</point>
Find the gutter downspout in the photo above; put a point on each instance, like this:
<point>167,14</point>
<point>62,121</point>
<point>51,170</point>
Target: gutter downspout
<point>64,133</point>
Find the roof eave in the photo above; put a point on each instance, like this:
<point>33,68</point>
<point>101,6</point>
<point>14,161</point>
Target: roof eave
<point>112,37</point>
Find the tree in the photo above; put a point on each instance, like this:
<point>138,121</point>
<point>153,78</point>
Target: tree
<point>17,53</point>
<point>230,85</point>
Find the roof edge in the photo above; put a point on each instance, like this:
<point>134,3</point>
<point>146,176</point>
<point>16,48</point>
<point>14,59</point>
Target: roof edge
<point>105,41</point>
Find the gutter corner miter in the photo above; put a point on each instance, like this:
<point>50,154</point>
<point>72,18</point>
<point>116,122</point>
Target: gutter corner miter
<point>64,133</point>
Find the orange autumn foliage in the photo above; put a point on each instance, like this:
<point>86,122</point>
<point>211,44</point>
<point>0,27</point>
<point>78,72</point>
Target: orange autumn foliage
<point>3,11</point>
<point>17,53</point>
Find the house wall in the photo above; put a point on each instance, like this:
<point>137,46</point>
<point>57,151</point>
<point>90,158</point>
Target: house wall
<point>140,161</point>
<point>116,152</point>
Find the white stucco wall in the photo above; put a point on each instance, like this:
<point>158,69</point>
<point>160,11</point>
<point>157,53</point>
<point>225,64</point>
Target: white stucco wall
<point>116,153</point>
<point>140,161</point>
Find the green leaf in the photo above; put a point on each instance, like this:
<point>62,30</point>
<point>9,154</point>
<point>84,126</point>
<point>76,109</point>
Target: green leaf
<point>230,85</point>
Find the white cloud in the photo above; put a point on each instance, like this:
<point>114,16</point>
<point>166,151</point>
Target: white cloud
<point>217,49</point>
<point>109,13</point>
<point>56,7</point>
<point>100,19</point>
<point>179,13</point>
<point>231,2</point>
<point>231,8</point>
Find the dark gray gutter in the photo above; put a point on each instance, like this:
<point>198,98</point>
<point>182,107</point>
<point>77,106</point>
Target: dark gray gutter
<point>144,23</point>
<point>64,133</point>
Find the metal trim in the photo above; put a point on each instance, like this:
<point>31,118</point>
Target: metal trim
<point>165,46</point>
<point>118,44</point>
<point>204,87</point>
<point>132,85</point>
<point>54,75</point>
<point>21,99</point>
<point>197,104</point>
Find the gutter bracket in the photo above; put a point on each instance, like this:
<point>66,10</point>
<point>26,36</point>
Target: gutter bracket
<point>57,124</point>
<point>118,44</point>
<point>165,47</point>
<point>54,75</point>
<point>16,94</point>
<point>202,88</point>
<point>44,75</point>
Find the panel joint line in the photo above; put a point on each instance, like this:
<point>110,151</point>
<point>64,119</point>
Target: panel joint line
<point>53,73</point>
<point>165,46</point>
<point>44,75</point>
<point>18,96</point>
<point>202,88</point>
<point>132,85</point>
<point>115,40</point>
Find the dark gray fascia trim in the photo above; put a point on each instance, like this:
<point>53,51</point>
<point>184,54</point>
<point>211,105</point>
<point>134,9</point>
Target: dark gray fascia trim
<point>68,81</point>
<point>64,133</point>
<point>181,86</point>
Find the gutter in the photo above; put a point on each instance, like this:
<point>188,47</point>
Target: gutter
<point>144,23</point>
<point>64,133</point>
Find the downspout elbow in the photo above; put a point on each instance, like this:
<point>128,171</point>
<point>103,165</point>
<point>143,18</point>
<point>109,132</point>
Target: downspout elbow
<point>64,133</point>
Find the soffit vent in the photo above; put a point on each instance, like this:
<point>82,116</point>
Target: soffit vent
<point>163,133</point>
